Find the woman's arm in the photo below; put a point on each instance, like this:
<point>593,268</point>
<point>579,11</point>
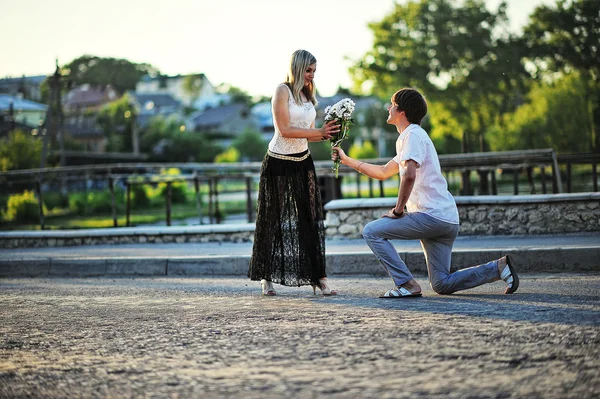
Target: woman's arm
<point>281,118</point>
<point>379,172</point>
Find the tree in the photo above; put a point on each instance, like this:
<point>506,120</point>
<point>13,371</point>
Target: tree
<point>167,140</point>
<point>565,38</point>
<point>364,151</point>
<point>19,150</point>
<point>460,55</point>
<point>238,96</point>
<point>116,120</point>
<point>546,119</point>
<point>122,74</point>
<point>251,145</point>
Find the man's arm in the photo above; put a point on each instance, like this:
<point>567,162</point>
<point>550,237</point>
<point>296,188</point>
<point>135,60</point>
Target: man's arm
<point>406,186</point>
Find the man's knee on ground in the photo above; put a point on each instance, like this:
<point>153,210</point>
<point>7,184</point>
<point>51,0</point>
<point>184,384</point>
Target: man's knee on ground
<point>441,287</point>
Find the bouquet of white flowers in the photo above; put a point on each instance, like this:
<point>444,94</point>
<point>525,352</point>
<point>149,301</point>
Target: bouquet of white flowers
<point>341,112</point>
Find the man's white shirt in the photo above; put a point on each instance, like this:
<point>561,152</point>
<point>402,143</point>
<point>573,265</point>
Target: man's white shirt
<point>430,193</point>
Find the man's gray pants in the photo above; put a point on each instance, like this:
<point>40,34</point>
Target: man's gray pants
<point>437,238</point>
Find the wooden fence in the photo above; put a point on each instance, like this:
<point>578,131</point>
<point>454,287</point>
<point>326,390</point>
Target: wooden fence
<point>485,165</point>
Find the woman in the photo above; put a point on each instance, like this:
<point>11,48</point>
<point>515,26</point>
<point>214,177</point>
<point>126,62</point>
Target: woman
<point>289,240</point>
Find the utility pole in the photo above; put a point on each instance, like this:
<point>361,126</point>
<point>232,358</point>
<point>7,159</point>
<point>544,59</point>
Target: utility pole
<point>52,128</point>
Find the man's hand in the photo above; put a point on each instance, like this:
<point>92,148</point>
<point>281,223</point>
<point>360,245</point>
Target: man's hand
<point>392,214</point>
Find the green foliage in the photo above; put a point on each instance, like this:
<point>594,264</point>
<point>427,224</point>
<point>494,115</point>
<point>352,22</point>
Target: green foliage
<point>116,120</point>
<point>19,150</point>
<point>555,116</point>
<point>320,150</point>
<point>565,38</point>
<point>565,35</point>
<point>446,132</point>
<point>179,190</point>
<point>455,52</point>
<point>122,74</point>
<point>364,151</point>
<point>250,145</point>
<point>230,155</point>
<point>192,85</point>
<point>166,141</point>
<point>78,203</point>
<point>22,208</point>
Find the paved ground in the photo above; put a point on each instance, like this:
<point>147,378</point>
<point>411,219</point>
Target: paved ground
<point>217,337</point>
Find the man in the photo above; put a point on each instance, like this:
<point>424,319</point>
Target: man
<point>432,215</point>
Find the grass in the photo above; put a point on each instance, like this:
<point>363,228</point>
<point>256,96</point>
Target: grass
<point>157,214</point>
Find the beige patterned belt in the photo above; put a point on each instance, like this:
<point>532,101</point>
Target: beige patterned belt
<point>286,157</point>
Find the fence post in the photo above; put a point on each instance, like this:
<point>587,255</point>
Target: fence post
<point>529,170</point>
<point>494,184</point>
<point>569,185</point>
<point>38,189</point>
<point>210,200</point>
<point>113,205</point>
<point>516,181</point>
<point>249,198</point>
<point>217,212</point>
<point>169,195</point>
<point>595,176</point>
<point>543,176</point>
<point>358,185</point>
<point>381,190</point>
<point>198,199</point>
<point>128,207</point>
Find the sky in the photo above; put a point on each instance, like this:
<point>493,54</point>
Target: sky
<point>244,43</point>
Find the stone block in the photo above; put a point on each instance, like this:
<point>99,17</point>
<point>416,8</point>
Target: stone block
<point>25,267</point>
<point>208,265</point>
<point>136,266</point>
<point>78,267</point>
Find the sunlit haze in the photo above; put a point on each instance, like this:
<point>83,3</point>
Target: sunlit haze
<point>243,43</point>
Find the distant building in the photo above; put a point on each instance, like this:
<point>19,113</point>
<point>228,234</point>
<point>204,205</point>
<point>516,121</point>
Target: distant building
<point>264,119</point>
<point>28,87</point>
<point>177,87</point>
<point>151,105</point>
<point>27,115</point>
<point>223,123</point>
<point>80,107</point>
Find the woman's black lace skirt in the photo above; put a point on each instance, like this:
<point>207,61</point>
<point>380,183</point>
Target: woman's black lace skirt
<point>289,240</point>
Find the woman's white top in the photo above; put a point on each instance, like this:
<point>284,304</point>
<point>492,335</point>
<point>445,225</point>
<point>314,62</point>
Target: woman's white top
<point>430,193</point>
<point>301,116</point>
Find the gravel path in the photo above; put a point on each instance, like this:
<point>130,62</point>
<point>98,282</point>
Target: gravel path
<point>217,337</point>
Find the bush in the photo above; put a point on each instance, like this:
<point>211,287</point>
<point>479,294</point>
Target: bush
<point>230,156</point>
<point>23,208</point>
<point>78,203</point>
<point>366,151</point>
<point>139,196</point>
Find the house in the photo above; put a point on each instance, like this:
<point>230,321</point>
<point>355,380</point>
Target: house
<point>190,90</point>
<point>264,119</point>
<point>28,87</point>
<point>80,107</point>
<point>150,105</point>
<point>26,115</point>
<point>223,123</point>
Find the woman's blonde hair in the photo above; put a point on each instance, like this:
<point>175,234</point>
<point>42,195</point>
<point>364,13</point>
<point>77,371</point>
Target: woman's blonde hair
<point>299,63</point>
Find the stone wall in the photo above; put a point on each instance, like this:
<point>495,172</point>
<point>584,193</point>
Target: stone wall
<point>480,215</point>
<point>483,215</point>
<point>128,235</point>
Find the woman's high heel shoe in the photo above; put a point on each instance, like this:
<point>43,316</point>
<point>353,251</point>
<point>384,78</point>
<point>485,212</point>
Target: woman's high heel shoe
<point>325,289</point>
<point>267,288</point>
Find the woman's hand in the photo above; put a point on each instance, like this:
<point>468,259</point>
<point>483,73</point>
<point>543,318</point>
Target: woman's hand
<point>336,153</point>
<point>328,130</point>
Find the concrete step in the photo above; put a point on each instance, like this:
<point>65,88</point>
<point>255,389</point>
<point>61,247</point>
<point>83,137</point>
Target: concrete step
<point>568,253</point>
